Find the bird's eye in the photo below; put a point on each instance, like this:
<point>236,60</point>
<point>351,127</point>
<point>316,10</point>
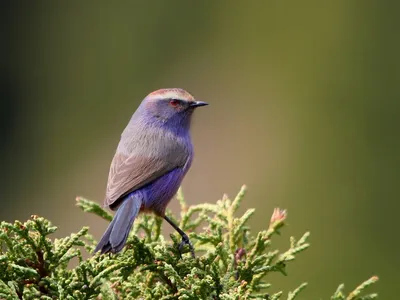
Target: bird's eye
<point>174,102</point>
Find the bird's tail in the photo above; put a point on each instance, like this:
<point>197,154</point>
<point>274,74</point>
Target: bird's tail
<point>114,239</point>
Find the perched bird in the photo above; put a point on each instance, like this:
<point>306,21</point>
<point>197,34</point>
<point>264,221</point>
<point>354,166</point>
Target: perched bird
<point>154,154</point>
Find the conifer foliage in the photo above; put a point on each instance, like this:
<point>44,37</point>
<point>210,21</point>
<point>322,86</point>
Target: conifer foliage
<point>231,262</point>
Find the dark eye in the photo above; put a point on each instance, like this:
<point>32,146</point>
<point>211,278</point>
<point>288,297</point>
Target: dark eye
<point>174,102</point>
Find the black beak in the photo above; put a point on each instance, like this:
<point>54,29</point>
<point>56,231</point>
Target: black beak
<point>198,103</point>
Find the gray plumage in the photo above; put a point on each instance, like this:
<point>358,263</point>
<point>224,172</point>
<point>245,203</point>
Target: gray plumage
<point>153,156</point>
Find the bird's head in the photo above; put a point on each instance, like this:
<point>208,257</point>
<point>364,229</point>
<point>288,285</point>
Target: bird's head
<point>171,105</point>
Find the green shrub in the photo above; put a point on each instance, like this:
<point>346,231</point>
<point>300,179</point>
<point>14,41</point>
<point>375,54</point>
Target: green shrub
<point>231,262</point>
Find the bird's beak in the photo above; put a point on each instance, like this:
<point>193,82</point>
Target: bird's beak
<point>198,103</point>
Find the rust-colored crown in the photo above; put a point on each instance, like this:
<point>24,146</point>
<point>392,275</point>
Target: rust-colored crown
<point>173,93</point>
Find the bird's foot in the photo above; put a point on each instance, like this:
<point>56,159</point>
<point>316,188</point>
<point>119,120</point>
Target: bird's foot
<point>185,238</point>
<point>186,241</point>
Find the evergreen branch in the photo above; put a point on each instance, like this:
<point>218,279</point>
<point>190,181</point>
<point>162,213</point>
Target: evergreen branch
<point>231,262</point>
<point>93,207</point>
<point>354,294</point>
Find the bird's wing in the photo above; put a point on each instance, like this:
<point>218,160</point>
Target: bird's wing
<point>129,173</point>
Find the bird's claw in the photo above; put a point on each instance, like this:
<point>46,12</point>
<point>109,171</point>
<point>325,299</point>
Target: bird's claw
<point>186,241</point>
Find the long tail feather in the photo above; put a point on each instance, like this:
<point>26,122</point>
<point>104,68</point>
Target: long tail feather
<point>114,239</point>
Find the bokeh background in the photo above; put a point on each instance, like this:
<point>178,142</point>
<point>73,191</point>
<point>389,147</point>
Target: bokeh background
<point>305,107</point>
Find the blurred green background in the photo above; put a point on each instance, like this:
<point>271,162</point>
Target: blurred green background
<point>305,107</point>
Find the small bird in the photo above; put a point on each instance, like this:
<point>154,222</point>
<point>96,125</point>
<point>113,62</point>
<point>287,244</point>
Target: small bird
<point>153,156</point>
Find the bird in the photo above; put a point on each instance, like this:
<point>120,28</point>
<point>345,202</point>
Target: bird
<point>153,156</point>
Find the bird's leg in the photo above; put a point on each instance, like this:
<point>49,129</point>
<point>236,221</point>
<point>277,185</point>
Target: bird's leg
<point>185,238</point>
